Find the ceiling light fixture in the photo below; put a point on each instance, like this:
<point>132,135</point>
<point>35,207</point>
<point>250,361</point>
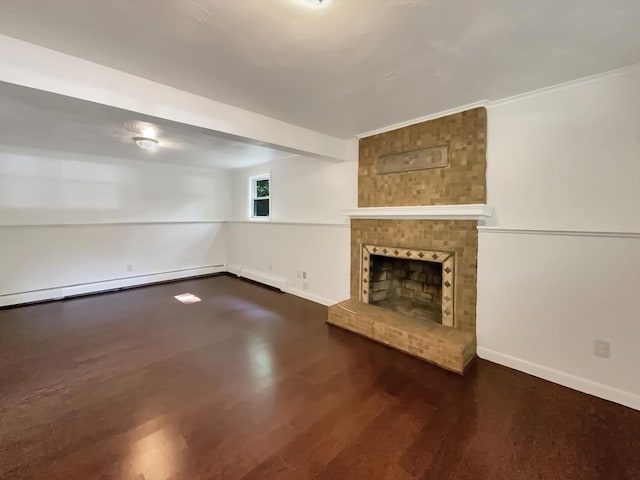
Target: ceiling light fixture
<point>147,139</point>
<point>149,132</point>
<point>319,3</point>
<point>146,143</point>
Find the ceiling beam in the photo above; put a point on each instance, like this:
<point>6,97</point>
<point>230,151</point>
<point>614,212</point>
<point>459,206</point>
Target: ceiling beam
<point>30,65</point>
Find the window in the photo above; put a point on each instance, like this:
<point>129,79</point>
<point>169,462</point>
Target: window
<point>260,199</point>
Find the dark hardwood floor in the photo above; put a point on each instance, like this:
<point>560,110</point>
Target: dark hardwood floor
<point>252,384</point>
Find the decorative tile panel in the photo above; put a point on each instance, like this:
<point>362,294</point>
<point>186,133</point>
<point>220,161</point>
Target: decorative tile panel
<point>463,181</point>
<point>408,161</point>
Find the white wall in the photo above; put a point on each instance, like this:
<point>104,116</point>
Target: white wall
<point>568,157</point>
<point>307,231</point>
<point>71,224</point>
<point>69,220</point>
<point>565,159</point>
<point>304,190</point>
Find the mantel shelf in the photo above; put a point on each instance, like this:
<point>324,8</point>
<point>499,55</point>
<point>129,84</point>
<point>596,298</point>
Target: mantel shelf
<point>427,212</point>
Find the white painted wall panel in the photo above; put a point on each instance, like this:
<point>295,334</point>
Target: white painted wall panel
<point>35,258</point>
<point>284,249</point>
<point>565,159</point>
<point>307,232</point>
<point>544,299</point>
<point>69,220</point>
<point>568,158</point>
<point>54,188</point>
<point>303,190</point>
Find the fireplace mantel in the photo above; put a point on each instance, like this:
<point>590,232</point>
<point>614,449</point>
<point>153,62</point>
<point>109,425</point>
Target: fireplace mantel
<point>478,212</point>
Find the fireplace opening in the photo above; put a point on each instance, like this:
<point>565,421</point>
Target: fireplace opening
<point>411,287</point>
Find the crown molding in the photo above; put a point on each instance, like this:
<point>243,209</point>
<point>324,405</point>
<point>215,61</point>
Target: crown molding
<point>502,101</point>
<point>432,116</point>
<point>560,86</point>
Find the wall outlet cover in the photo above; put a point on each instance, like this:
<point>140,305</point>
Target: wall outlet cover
<point>602,348</point>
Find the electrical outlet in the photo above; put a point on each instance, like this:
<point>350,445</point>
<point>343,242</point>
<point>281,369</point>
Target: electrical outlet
<point>270,267</point>
<point>305,286</point>
<point>299,274</point>
<point>602,349</point>
<point>304,275</point>
<point>129,268</point>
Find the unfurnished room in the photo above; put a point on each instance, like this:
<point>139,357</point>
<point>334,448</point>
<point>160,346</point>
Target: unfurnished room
<point>320,239</point>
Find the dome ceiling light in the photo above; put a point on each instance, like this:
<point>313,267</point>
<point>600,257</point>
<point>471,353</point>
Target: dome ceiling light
<point>148,140</point>
<point>318,3</point>
<point>146,143</point>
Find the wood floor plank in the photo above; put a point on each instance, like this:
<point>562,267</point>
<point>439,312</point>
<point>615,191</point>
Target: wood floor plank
<point>251,383</point>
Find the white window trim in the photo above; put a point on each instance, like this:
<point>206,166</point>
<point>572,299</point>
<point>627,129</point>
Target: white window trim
<point>252,196</point>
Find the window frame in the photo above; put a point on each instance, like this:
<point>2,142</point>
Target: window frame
<point>253,187</point>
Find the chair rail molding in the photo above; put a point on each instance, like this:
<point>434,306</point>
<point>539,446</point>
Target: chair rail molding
<point>560,232</point>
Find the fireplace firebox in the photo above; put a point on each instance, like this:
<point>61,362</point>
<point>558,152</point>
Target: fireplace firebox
<point>419,283</point>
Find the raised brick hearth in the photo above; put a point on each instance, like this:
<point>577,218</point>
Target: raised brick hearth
<point>450,348</point>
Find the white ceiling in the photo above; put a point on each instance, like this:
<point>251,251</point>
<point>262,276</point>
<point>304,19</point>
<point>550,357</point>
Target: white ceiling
<point>343,69</point>
<point>36,120</point>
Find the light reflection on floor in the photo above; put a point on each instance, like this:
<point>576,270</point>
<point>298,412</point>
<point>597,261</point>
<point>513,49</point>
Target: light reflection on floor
<point>159,455</point>
<point>261,360</point>
<point>262,371</point>
<point>187,298</point>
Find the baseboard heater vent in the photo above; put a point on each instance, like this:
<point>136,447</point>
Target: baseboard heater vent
<point>60,293</point>
<point>258,276</point>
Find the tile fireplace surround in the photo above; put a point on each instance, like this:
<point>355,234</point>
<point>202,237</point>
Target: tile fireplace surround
<point>416,208</point>
<point>408,280</point>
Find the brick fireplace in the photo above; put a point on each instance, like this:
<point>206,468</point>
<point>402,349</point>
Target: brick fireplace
<point>421,194</point>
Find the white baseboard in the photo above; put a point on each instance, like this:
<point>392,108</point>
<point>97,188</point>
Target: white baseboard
<point>104,286</point>
<point>235,269</point>
<point>277,282</point>
<point>257,276</point>
<point>310,296</point>
<point>29,297</point>
<point>58,293</point>
<point>581,384</point>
